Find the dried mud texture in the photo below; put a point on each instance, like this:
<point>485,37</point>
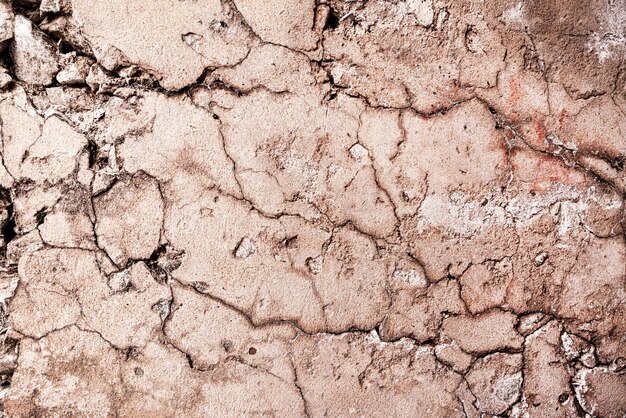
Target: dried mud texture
<point>318,208</point>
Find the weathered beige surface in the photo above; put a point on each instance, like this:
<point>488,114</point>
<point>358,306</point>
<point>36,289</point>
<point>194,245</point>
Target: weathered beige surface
<point>321,208</point>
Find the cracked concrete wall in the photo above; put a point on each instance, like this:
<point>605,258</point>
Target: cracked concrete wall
<point>321,208</point>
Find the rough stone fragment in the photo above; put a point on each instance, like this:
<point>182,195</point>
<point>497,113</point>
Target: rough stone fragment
<point>370,379</point>
<point>67,28</point>
<point>419,313</point>
<point>245,248</point>
<point>197,326</point>
<point>546,376</point>
<point>288,23</point>
<point>53,155</point>
<point>496,381</point>
<point>6,22</point>
<point>266,291</point>
<point>41,151</point>
<point>197,157</point>
<point>411,274</point>
<point>484,333</point>
<point>351,267</point>
<point>34,55</point>
<point>5,80</point>
<point>275,67</point>
<point>177,49</point>
<point>315,264</point>
<point>358,152</point>
<point>47,299</point>
<point>55,6</point>
<point>75,72</point>
<point>20,246</point>
<point>600,392</point>
<point>452,354</point>
<point>129,219</point>
<point>88,382</point>
<point>113,312</point>
<point>68,224</point>
<point>531,322</point>
<point>484,286</point>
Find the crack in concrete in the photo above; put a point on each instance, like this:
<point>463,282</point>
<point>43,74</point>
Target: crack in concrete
<point>308,359</point>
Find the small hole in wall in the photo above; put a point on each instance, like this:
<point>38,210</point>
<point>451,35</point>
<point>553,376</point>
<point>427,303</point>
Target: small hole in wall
<point>289,242</point>
<point>66,48</point>
<point>332,21</point>
<point>252,351</point>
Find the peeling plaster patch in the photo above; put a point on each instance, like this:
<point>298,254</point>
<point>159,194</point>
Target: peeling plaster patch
<point>413,277</point>
<point>315,264</point>
<point>245,248</point>
<point>607,46</point>
<point>422,10</point>
<point>514,15</point>
<point>358,152</point>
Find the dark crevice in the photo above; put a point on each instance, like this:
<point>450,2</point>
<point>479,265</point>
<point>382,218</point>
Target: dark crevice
<point>9,227</point>
<point>189,360</point>
<point>28,8</point>
<point>220,85</point>
<point>65,48</point>
<point>617,163</point>
<point>332,21</point>
<point>97,159</point>
<point>92,150</point>
<point>161,263</point>
<point>41,215</point>
<point>9,230</point>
